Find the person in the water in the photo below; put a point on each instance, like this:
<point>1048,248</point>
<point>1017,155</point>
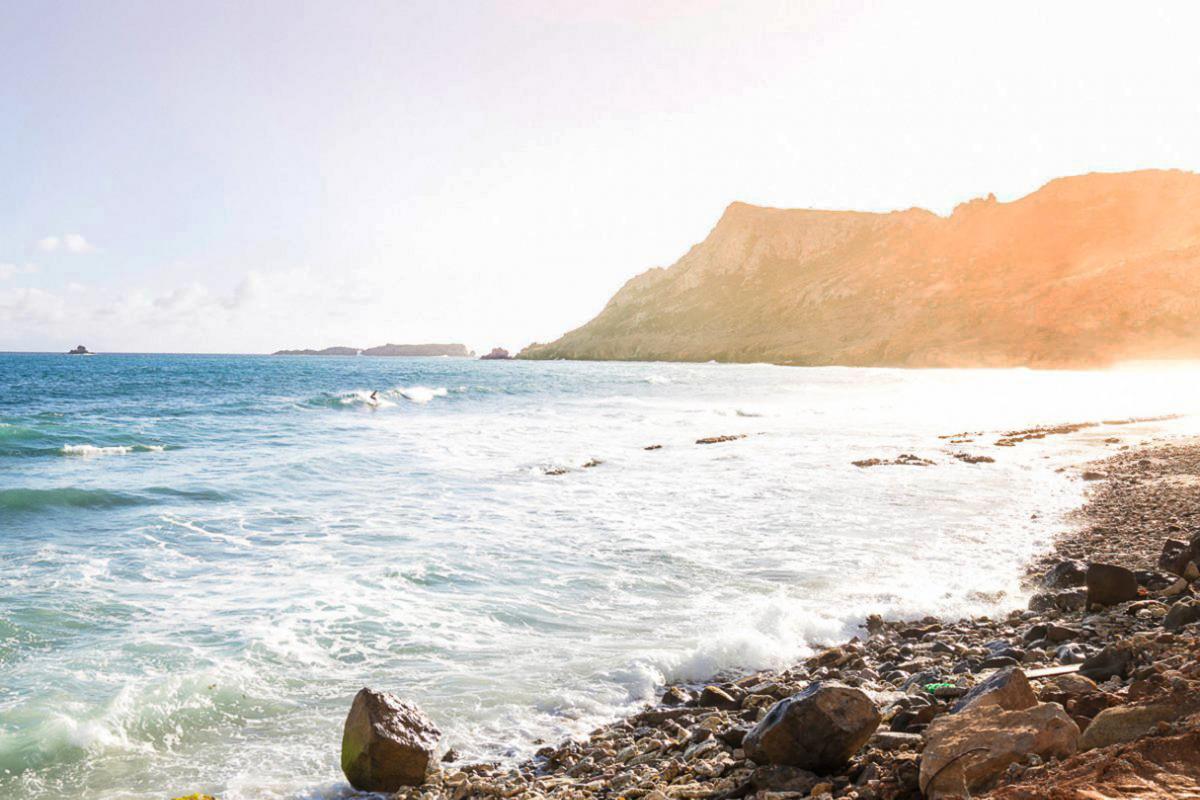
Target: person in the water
<point>375,396</point>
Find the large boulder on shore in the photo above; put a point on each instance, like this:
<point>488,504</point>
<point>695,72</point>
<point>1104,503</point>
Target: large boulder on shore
<point>1108,585</point>
<point>969,751</point>
<point>1124,724</point>
<point>387,744</point>
<point>818,729</point>
<point>1009,689</point>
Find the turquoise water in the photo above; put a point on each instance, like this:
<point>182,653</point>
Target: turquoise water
<point>204,557</point>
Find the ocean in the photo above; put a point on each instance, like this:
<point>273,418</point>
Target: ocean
<point>205,557</point>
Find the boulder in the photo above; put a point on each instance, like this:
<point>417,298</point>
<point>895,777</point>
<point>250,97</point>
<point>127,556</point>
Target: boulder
<point>1175,556</point>
<point>818,729</point>
<point>968,752</point>
<point>1108,584</point>
<point>1066,575</point>
<point>1112,661</point>
<point>387,744</point>
<point>1184,612</point>
<point>675,696</point>
<point>1008,688</point>
<point>716,697</point>
<point>1124,724</point>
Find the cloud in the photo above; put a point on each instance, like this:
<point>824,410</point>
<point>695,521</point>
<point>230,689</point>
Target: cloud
<point>30,306</point>
<point>70,242</point>
<point>77,244</point>
<point>10,270</point>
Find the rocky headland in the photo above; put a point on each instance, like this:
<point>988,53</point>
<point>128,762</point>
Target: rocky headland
<point>1084,272</point>
<point>1092,691</point>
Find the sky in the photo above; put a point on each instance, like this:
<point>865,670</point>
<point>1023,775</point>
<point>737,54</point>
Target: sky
<point>244,177</point>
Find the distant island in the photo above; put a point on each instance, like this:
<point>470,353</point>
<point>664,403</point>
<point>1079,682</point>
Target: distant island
<point>1084,272</point>
<point>404,350</point>
<point>79,350</point>
<point>497,354</point>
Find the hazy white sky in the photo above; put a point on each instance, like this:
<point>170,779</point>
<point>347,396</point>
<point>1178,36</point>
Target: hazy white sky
<point>240,177</point>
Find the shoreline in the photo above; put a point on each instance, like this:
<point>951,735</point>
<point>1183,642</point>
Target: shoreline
<point>689,745</point>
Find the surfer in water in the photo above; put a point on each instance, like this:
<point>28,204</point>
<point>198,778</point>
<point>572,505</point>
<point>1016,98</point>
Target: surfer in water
<point>375,397</point>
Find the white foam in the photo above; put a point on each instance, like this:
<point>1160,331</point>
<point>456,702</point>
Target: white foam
<point>421,394</point>
<point>88,450</point>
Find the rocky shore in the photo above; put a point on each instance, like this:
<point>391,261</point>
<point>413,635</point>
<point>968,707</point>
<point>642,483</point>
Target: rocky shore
<point>1092,691</point>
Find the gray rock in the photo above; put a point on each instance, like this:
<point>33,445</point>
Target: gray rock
<point>387,744</point>
<point>1175,556</point>
<point>819,729</point>
<point>1065,575</point>
<point>1108,585</point>
<point>1112,661</point>
<point>1184,612</point>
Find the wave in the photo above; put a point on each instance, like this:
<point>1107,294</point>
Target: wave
<point>421,394</point>
<point>38,499</point>
<point>387,398</point>
<point>109,450</point>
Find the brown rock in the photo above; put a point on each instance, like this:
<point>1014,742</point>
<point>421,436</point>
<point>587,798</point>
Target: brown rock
<point>1008,688</point>
<point>1108,584</point>
<point>716,697</point>
<point>818,729</point>
<point>1175,556</point>
<point>387,743</point>
<point>968,752</point>
<point>1124,724</point>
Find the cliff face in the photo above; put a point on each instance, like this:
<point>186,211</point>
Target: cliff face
<point>1086,271</point>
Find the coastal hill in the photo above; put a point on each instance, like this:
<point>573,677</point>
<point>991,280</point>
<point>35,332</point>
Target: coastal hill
<point>1085,271</point>
<point>409,350</point>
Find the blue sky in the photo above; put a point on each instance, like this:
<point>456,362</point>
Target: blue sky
<point>246,176</point>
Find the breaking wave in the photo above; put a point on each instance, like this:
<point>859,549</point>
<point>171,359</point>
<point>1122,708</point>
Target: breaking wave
<point>388,398</point>
<point>110,450</point>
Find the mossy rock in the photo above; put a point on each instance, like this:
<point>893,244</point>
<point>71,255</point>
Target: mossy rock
<point>196,796</point>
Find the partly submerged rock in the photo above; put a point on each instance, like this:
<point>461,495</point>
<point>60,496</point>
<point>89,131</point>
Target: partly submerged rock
<point>818,729</point>
<point>387,744</point>
<point>969,751</point>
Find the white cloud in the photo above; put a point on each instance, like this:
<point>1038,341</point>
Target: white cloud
<point>30,306</point>
<point>71,242</point>
<point>11,270</point>
<point>75,286</point>
<point>77,244</point>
